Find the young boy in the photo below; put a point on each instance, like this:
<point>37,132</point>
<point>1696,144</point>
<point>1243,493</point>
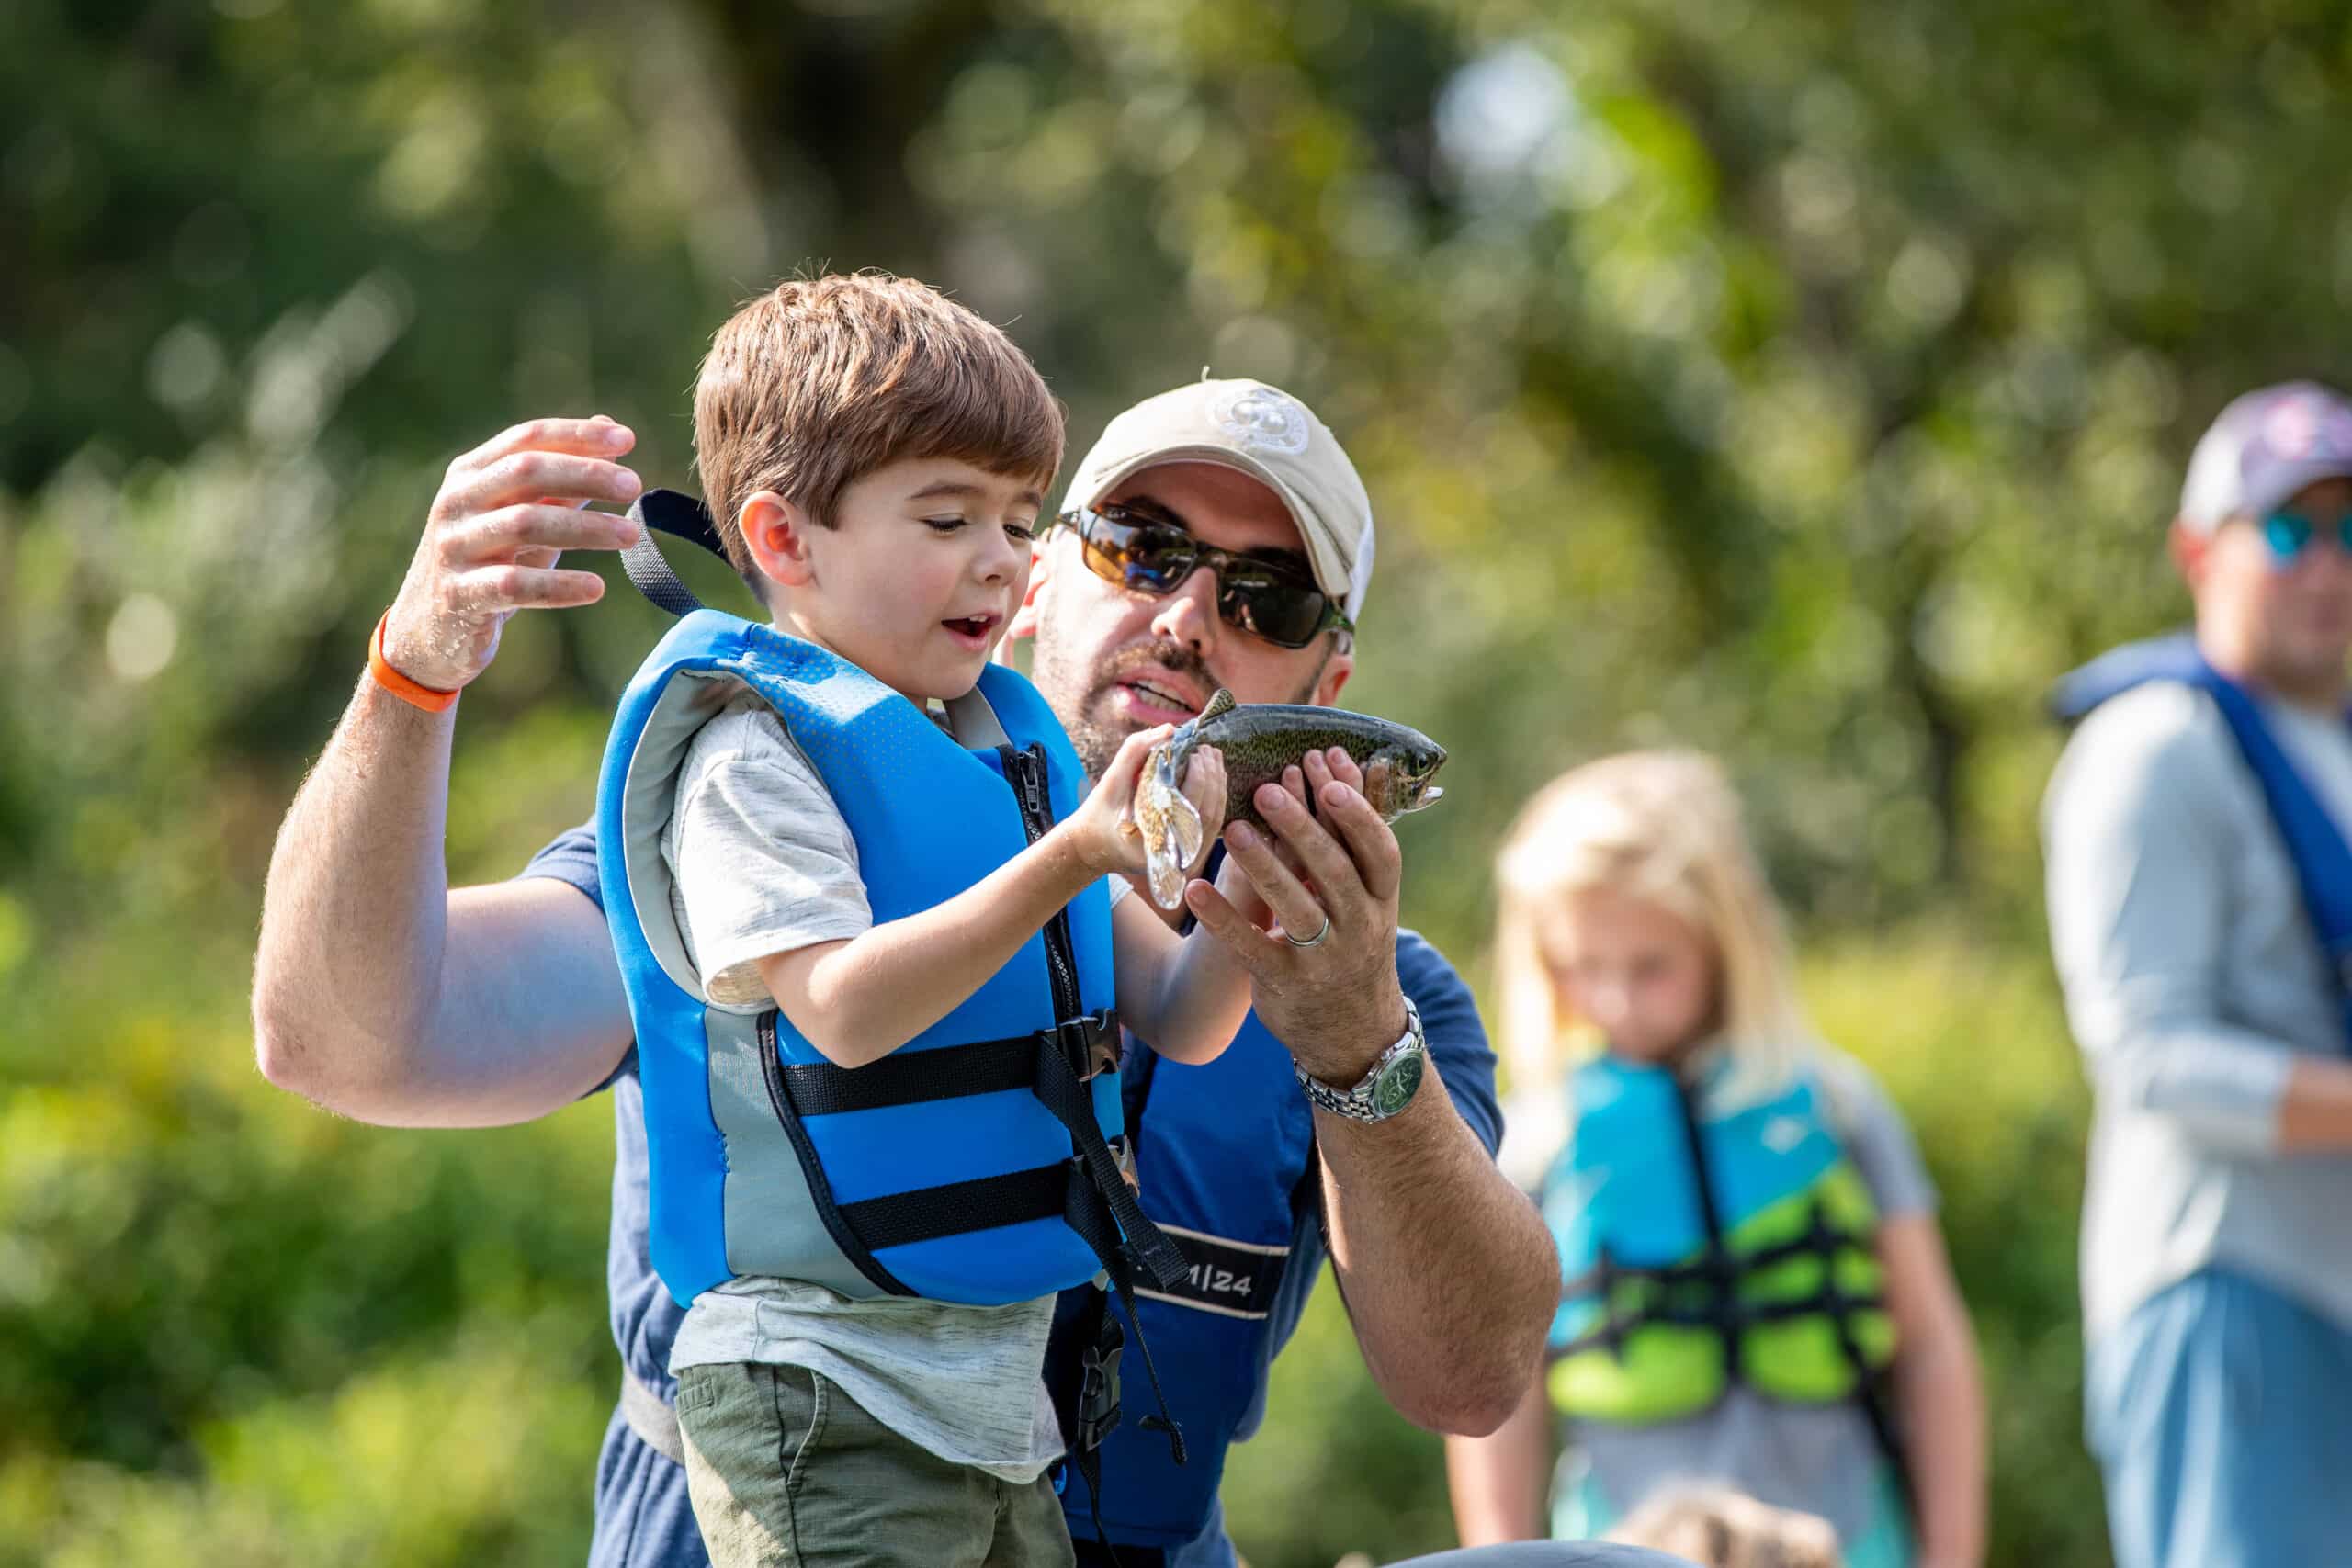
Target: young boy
<point>875,456</point>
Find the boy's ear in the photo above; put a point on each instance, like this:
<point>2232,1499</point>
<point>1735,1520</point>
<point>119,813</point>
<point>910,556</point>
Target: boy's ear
<point>776,533</point>
<point>1032,608</point>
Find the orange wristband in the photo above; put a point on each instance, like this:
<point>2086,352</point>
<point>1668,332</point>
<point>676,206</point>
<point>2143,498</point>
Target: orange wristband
<point>399,686</point>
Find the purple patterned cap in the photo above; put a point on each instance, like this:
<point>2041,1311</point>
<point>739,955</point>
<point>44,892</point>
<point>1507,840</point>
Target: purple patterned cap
<point>2263,449</point>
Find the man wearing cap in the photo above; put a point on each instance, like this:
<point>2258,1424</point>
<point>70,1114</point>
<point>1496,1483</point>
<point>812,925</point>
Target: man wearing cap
<point>2201,911</point>
<point>1218,535</point>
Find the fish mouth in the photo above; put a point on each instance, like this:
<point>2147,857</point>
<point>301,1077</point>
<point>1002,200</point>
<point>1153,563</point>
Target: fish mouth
<point>1427,796</point>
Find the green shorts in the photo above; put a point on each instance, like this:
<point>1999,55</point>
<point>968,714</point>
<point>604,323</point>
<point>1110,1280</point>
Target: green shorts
<point>786,1471</point>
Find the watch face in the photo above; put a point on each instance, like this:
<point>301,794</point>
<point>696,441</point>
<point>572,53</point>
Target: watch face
<point>1394,1090</point>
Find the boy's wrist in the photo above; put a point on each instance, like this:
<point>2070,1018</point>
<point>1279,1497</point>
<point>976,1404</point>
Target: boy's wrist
<point>1068,840</point>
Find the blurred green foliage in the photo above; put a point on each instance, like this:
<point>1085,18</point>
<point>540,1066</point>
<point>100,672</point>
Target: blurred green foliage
<point>1806,381</point>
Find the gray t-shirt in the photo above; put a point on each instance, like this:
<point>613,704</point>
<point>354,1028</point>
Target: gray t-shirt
<point>763,862</point>
<point>1822,1458</point>
<point>2193,979</point>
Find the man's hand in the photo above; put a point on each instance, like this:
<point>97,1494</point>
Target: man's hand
<point>504,513</point>
<point>1335,1002</point>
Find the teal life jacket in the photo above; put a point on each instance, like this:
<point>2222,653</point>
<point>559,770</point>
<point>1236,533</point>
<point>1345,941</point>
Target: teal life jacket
<point>1701,1251</point>
<point>979,1162</point>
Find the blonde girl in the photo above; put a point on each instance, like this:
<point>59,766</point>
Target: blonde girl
<point>1755,1292</point>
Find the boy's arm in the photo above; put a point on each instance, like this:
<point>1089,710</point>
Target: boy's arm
<point>1184,996</point>
<point>859,1000</point>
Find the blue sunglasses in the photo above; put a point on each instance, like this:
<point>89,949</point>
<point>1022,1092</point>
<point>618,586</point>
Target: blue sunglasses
<point>2289,535</point>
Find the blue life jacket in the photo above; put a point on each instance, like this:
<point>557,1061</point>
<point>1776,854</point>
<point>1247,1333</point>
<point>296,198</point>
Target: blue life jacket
<point>974,1164</point>
<point>1701,1251</point>
<point>2314,842</point>
<point>1228,1193</point>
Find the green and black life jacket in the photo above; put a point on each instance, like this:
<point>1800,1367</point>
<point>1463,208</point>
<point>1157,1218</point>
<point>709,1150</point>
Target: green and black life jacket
<point>1700,1251</point>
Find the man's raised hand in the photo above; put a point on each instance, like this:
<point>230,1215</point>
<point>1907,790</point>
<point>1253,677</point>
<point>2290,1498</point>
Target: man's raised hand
<point>505,511</point>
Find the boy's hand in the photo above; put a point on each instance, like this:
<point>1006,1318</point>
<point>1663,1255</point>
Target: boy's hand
<point>506,510</point>
<point>1204,787</point>
<point>1103,827</point>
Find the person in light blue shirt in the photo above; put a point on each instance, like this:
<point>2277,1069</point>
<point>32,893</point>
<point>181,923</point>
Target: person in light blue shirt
<point>2217,1221</point>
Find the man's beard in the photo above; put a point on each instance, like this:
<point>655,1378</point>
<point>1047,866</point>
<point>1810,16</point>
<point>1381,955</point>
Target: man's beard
<point>1081,699</point>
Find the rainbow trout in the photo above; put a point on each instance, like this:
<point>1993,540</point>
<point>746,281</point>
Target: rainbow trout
<point>1258,741</point>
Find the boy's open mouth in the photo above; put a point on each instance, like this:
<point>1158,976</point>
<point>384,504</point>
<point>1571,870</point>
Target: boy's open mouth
<point>972,629</point>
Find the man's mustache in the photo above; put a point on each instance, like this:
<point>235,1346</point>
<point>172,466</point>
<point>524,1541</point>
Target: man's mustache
<point>1171,656</point>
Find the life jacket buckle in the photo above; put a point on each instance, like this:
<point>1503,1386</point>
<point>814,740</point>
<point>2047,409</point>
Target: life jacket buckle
<point>1098,1391</point>
<point>1089,1045</point>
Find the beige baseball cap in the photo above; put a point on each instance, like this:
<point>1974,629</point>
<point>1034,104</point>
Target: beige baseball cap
<point>1259,431</point>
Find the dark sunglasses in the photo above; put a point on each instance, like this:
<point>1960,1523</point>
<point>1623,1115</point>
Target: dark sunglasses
<point>2289,534</point>
<point>1260,597</point>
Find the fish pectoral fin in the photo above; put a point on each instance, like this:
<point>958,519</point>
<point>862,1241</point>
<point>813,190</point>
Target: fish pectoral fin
<point>1169,849</point>
<point>1172,831</point>
<point>1184,831</point>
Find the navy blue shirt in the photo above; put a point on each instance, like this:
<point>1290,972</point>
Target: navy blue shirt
<point>643,1518</point>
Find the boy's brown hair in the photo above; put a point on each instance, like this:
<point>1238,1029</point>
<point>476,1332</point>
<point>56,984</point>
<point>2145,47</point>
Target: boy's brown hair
<point>822,381</point>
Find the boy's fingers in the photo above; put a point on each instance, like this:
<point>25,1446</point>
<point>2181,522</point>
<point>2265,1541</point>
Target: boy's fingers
<point>521,478</point>
<point>492,589</point>
<point>598,437</point>
<point>511,531</point>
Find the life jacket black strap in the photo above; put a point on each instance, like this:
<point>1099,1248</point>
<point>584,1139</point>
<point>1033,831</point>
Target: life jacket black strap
<point>910,1078</point>
<point>927,1213</point>
<point>1059,1087</point>
<point>682,517</point>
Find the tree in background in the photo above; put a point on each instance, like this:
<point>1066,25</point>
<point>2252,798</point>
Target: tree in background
<point>1805,381</point>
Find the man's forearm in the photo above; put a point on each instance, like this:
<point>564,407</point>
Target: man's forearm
<point>355,908</point>
<point>1448,1272</point>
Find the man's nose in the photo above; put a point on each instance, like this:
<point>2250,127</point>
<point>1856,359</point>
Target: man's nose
<point>1189,614</point>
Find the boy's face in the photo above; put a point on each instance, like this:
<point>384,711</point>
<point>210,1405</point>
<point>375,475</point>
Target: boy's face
<point>919,576</point>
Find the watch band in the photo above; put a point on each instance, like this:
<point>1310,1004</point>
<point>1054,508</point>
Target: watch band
<point>1399,1069</point>
<point>399,686</point>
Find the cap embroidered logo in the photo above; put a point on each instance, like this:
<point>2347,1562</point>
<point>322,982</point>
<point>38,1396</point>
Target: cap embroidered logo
<point>1259,418</point>
<point>2305,426</point>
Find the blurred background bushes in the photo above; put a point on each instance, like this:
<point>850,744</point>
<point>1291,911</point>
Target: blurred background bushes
<point>1809,382</point>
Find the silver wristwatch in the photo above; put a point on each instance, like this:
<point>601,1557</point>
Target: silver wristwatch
<point>1386,1088</point>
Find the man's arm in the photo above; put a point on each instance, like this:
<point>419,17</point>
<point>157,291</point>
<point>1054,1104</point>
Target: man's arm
<point>1447,1270</point>
<point>377,991</point>
<point>2138,888</point>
